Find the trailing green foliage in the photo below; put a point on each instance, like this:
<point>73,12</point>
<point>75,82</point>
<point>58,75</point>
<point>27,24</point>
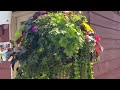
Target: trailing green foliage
<point>57,49</point>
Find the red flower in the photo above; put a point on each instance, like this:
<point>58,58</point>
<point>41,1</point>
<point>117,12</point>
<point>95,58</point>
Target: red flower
<point>97,49</point>
<point>97,38</point>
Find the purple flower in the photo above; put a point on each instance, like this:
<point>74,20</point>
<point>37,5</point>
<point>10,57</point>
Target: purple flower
<point>43,12</point>
<point>34,28</point>
<point>75,12</point>
<point>36,15</point>
<point>23,32</point>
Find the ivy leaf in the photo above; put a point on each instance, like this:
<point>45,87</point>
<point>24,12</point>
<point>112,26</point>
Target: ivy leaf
<point>68,53</point>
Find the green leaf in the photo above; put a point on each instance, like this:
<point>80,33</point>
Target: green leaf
<point>19,32</point>
<point>68,53</point>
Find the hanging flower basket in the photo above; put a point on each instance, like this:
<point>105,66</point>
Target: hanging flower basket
<point>59,45</point>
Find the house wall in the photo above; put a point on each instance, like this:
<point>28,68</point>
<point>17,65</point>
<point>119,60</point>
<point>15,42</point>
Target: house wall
<point>17,18</point>
<point>107,26</point>
<point>5,70</point>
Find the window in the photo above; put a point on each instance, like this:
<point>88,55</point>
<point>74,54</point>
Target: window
<point>4,33</point>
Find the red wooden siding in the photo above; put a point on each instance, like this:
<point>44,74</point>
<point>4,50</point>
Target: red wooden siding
<point>107,25</point>
<point>5,70</point>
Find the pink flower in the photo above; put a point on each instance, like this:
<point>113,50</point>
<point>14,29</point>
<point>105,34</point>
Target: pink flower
<point>97,38</point>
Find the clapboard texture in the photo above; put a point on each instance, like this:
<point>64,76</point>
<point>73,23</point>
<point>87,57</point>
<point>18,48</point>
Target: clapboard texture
<point>5,70</point>
<point>107,25</point>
